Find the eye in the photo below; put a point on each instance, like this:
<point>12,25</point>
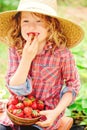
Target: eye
<point>38,21</point>
<point>25,21</point>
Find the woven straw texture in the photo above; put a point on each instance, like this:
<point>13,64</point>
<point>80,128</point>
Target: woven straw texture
<point>72,31</point>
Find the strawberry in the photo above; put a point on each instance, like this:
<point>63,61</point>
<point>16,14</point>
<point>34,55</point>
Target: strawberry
<point>33,33</point>
<point>18,112</point>
<point>13,100</point>
<point>27,111</point>
<point>35,113</point>
<point>11,108</point>
<point>31,97</point>
<point>43,118</point>
<point>40,105</point>
<point>20,105</point>
<point>34,105</point>
<point>27,102</point>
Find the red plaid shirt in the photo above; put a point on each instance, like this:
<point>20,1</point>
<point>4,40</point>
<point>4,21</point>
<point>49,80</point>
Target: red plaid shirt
<point>49,72</point>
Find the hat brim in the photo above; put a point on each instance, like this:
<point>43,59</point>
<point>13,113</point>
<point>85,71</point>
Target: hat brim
<point>73,32</point>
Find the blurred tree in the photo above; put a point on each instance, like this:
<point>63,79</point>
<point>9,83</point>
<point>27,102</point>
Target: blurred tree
<point>73,2</point>
<point>12,4</point>
<point>8,5</point>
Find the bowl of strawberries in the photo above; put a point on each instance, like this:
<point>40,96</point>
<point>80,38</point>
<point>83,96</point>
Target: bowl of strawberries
<point>24,110</point>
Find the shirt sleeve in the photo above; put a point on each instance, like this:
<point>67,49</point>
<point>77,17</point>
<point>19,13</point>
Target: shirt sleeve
<point>70,76</point>
<point>22,89</point>
<point>13,62</point>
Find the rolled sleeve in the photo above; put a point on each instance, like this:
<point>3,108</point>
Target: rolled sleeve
<point>70,76</point>
<point>65,90</point>
<point>23,89</point>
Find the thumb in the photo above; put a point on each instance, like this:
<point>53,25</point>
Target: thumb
<point>42,112</point>
<point>43,115</point>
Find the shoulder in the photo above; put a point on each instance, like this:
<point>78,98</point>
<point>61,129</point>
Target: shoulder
<point>13,52</point>
<point>13,49</point>
<point>63,53</point>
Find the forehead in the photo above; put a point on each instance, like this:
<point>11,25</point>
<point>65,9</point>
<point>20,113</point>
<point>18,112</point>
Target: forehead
<point>31,14</point>
<point>25,13</point>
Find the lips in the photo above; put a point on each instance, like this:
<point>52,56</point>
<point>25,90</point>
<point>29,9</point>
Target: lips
<point>33,33</point>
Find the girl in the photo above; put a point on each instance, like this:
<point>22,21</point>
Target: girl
<point>40,62</point>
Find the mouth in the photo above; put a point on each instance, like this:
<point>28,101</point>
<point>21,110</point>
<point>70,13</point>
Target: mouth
<point>33,34</point>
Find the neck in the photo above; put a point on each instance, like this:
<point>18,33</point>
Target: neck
<point>41,46</point>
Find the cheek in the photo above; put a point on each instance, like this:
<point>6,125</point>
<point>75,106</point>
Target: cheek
<point>44,33</point>
<point>23,33</point>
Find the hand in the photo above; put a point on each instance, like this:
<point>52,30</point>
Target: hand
<point>31,48</point>
<point>50,115</point>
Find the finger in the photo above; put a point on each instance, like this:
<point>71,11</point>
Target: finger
<point>35,41</point>
<point>29,40</point>
<point>33,36</point>
<point>42,112</point>
<point>42,124</point>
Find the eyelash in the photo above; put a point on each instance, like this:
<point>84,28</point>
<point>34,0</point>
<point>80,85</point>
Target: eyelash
<point>25,21</point>
<point>38,21</point>
<point>28,21</point>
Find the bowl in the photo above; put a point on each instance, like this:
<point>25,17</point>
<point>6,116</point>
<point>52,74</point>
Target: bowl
<point>21,121</point>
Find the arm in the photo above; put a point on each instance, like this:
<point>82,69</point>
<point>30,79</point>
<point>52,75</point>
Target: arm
<point>29,53</point>
<point>70,76</point>
<point>64,103</point>
<point>21,73</point>
<point>53,114</point>
<point>16,78</point>
<point>72,83</point>
<point>22,89</point>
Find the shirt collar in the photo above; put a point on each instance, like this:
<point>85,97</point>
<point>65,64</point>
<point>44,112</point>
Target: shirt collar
<point>48,46</point>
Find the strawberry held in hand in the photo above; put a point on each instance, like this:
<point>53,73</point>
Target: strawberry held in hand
<point>33,34</point>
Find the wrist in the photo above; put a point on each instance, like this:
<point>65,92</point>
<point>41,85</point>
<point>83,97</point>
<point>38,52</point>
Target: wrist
<point>56,112</point>
<point>26,60</point>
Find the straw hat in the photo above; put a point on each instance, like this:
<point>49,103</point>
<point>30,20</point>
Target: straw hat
<point>73,32</point>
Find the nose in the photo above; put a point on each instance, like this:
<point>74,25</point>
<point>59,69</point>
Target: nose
<point>32,25</point>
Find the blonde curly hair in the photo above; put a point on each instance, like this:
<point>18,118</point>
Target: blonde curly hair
<point>55,33</point>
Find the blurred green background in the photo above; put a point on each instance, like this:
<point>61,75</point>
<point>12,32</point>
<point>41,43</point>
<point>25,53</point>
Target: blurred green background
<point>77,12</point>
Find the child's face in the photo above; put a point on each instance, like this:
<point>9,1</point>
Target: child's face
<point>33,24</point>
